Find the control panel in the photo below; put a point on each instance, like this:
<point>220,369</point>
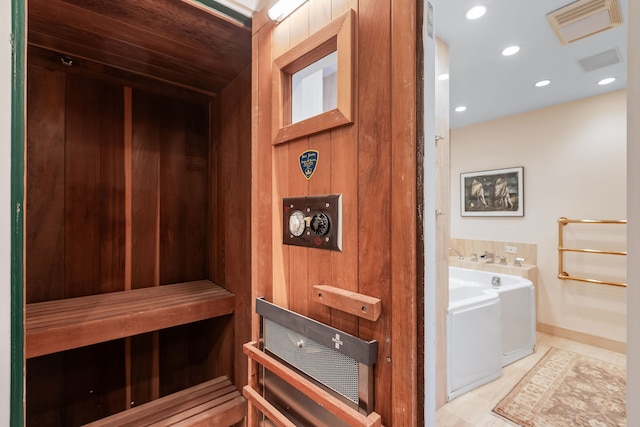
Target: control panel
<point>313,221</point>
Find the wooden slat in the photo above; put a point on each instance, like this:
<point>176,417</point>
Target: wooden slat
<point>404,356</point>
<point>344,180</point>
<point>297,278</point>
<point>281,254</point>
<point>253,379</point>
<point>85,195</point>
<point>262,181</point>
<point>114,315</point>
<point>234,192</point>
<point>223,413</point>
<point>49,308</point>
<point>145,189</point>
<point>215,402</point>
<point>319,265</point>
<point>374,187</point>
<point>103,306</point>
<point>183,190</point>
<point>145,212</point>
<point>309,389</point>
<point>184,164</point>
<point>65,317</point>
<point>266,408</point>
<point>275,44</point>
<point>44,233</point>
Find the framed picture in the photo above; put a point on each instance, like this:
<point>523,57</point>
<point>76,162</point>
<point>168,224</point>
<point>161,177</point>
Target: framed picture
<point>497,192</point>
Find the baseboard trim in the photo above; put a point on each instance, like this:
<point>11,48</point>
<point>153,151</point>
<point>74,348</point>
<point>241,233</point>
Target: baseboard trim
<point>607,344</point>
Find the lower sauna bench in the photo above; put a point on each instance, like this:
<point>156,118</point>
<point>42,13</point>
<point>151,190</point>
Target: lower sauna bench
<point>213,403</point>
<point>54,326</point>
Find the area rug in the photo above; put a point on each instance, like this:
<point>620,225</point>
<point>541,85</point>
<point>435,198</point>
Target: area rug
<point>567,390</point>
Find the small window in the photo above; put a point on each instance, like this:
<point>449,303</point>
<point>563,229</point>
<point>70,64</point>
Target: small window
<point>313,91</point>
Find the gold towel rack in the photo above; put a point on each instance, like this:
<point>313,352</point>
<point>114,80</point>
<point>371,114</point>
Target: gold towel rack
<point>562,221</point>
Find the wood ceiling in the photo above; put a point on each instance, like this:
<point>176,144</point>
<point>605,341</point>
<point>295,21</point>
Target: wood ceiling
<point>150,42</point>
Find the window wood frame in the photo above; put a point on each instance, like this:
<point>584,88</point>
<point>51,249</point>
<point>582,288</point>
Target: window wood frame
<point>338,35</point>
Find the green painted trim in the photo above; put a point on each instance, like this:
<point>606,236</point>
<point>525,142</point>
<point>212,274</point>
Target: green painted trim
<point>17,210</point>
<point>236,16</point>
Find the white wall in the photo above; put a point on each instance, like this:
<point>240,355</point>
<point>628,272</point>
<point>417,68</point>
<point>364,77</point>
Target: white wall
<point>429,227</point>
<point>5,209</point>
<point>574,158</point>
<point>633,200</point>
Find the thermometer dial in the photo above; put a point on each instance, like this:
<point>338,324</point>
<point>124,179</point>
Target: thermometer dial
<point>296,223</point>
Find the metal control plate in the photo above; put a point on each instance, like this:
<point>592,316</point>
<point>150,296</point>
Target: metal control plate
<point>313,221</point>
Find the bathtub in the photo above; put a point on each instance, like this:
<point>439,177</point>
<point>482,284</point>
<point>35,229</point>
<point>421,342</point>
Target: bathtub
<point>488,327</point>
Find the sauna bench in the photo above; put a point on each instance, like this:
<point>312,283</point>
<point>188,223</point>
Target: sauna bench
<point>53,326</point>
<point>212,403</point>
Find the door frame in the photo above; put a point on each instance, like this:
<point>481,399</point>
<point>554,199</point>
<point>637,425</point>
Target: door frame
<point>18,40</point>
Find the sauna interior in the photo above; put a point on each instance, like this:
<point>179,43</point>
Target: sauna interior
<point>137,176</point>
<point>156,169</point>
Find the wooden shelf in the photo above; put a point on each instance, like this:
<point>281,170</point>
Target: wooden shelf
<point>53,326</point>
<point>215,402</point>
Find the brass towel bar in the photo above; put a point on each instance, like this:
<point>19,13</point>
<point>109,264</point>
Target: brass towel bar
<point>561,249</point>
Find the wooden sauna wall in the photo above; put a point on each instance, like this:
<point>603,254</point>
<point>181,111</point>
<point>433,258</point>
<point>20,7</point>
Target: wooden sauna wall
<point>372,163</point>
<point>230,224</point>
<point>74,245</point>
<point>111,168</point>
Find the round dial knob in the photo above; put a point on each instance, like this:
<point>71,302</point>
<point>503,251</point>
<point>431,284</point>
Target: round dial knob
<point>320,224</point>
<point>296,223</point>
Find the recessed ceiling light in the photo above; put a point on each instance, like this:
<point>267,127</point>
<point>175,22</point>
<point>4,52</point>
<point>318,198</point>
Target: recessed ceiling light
<point>444,76</point>
<point>476,12</point>
<point>461,109</point>
<point>542,83</point>
<point>511,50</point>
<point>607,81</point>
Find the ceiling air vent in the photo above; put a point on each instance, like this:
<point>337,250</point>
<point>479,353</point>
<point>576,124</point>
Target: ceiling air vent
<point>600,60</point>
<point>583,18</point>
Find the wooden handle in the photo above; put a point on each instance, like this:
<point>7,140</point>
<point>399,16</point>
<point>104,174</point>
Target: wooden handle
<point>360,305</point>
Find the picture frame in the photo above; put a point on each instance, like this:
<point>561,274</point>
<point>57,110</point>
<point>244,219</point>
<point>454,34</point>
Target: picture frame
<point>496,192</point>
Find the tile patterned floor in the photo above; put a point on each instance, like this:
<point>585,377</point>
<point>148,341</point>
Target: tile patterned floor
<point>473,409</point>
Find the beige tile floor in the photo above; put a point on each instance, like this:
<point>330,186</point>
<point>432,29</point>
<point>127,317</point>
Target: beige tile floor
<point>473,409</point>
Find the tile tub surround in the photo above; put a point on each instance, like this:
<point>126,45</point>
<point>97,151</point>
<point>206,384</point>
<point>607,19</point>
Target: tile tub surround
<point>528,251</point>
<point>527,271</point>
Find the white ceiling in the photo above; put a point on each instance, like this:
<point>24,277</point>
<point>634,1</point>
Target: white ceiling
<point>246,7</point>
<point>493,86</point>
